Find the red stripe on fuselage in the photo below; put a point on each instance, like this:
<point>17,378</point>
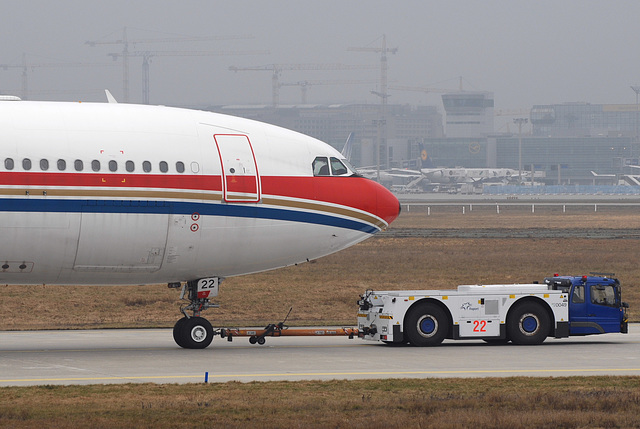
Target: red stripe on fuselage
<point>355,192</point>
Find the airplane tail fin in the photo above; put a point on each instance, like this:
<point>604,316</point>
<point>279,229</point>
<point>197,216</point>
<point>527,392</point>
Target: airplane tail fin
<point>425,159</point>
<point>348,147</point>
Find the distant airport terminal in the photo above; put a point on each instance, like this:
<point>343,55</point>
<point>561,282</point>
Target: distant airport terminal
<point>580,147</point>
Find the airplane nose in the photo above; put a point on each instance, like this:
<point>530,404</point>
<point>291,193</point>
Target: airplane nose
<point>388,207</point>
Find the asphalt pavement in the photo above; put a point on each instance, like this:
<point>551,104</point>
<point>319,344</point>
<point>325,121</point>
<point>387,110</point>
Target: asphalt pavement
<point>150,355</point>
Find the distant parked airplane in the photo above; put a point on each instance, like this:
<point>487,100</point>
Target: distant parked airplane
<point>430,174</point>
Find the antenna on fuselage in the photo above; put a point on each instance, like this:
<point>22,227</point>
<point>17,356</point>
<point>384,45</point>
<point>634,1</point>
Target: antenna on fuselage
<point>110,98</point>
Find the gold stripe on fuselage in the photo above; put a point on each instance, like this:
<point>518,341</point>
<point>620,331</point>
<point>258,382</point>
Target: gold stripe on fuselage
<point>187,195</point>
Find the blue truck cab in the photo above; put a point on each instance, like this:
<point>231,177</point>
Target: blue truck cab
<point>595,304</point>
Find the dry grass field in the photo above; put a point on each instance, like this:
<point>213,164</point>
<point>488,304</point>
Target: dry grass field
<point>519,402</point>
<point>324,292</point>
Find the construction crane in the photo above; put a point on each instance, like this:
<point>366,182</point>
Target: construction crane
<point>305,84</point>
<point>125,54</point>
<point>25,66</point>
<point>383,94</point>
<point>383,50</point>
<point>421,89</point>
<point>276,72</point>
<point>147,55</point>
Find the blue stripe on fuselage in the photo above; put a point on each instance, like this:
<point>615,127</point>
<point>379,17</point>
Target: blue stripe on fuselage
<point>245,210</point>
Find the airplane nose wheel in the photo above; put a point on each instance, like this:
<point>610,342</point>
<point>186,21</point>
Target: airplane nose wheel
<point>193,333</point>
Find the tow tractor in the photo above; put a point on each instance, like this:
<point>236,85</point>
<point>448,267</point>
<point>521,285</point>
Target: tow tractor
<point>560,307</point>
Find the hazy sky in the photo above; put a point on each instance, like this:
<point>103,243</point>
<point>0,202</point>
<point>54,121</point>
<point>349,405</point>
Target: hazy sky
<point>526,52</point>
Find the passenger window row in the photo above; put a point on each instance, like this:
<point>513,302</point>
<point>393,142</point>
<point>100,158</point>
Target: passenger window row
<point>79,165</point>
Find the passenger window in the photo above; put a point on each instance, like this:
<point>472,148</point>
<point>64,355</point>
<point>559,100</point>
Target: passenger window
<point>195,167</point>
<point>62,164</point>
<point>130,166</point>
<point>164,167</point>
<point>180,167</point>
<point>603,295</point>
<point>8,163</point>
<point>26,164</point>
<point>95,165</point>
<point>337,167</point>
<point>146,166</point>
<point>578,295</point>
<point>321,166</point>
<point>78,165</point>
<point>44,164</point>
<point>113,165</point>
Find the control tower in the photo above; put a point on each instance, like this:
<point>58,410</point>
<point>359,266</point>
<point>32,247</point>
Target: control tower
<point>468,114</point>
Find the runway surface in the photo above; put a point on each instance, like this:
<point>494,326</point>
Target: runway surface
<point>139,356</point>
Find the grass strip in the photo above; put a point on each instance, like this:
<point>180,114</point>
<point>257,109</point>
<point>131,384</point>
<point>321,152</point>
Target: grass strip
<point>516,402</point>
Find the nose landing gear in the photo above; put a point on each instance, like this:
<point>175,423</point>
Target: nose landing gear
<point>193,331</point>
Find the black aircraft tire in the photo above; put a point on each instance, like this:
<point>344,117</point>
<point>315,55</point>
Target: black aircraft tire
<point>195,333</point>
<point>426,325</point>
<point>528,324</point>
<point>177,328</point>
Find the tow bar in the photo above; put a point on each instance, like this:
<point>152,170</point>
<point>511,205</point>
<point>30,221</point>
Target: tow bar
<point>258,336</point>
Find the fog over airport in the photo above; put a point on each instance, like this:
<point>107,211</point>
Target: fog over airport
<point>525,52</point>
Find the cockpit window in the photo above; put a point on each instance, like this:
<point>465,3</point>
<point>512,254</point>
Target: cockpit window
<point>337,167</point>
<point>321,166</point>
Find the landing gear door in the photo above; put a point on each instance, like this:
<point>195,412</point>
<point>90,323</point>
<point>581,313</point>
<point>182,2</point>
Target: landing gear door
<point>240,179</point>
<point>121,242</point>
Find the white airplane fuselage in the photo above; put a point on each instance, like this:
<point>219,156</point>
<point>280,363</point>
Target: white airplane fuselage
<point>94,193</point>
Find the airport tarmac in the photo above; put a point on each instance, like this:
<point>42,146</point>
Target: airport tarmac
<point>140,356</point>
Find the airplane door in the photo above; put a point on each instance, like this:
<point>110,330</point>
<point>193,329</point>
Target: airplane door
<point>240,179</point>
